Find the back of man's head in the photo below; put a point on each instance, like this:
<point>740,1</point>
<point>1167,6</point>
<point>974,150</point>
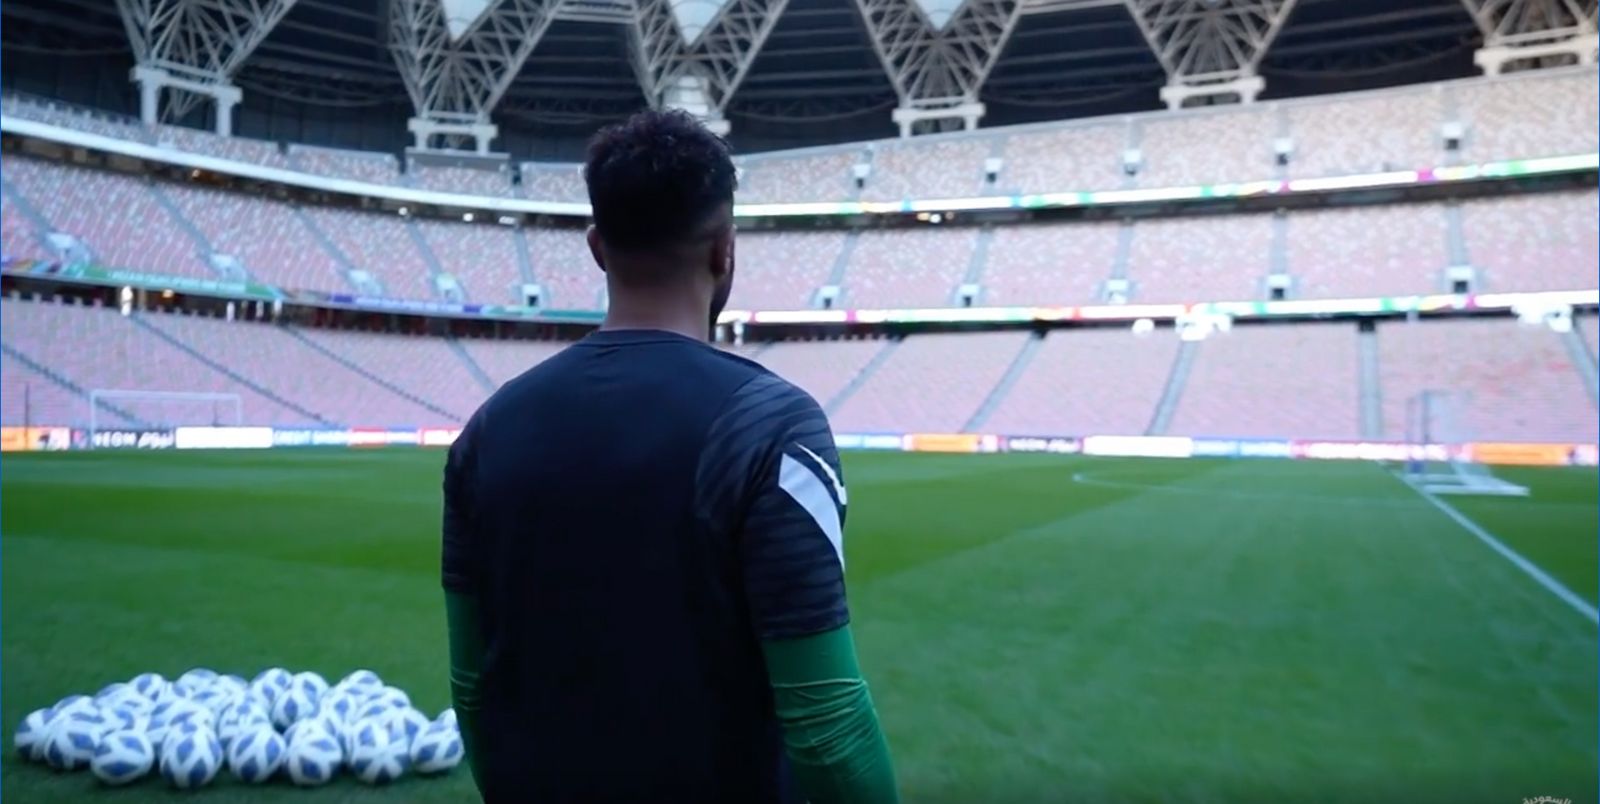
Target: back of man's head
<point>659,182</point>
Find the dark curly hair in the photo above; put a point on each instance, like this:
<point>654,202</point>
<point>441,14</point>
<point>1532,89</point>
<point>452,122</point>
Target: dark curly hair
<point>657,179</point>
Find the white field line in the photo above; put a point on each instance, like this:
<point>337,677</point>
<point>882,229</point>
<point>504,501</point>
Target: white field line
<point>1543,578</point>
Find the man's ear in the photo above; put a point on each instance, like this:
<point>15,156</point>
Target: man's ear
<point>593,237</point>
<point>722,253</point>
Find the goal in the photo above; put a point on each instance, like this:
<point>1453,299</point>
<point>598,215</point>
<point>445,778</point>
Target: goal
<point>1438,431</point>
<point>113,411</point>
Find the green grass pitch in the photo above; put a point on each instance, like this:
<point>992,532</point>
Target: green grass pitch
<point>1035,628</point>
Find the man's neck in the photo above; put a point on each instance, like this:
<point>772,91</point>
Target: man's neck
<point>682,319</point>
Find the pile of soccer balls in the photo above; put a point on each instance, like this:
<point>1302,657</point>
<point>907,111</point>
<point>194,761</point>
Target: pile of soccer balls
<point>189,728</point>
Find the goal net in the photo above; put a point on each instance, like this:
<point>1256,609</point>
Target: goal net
<point>1437,430</point>
<point>115,414</point>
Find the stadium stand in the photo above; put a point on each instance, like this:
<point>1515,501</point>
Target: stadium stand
<point>470,181</point>
<point>502,361</point>
<point>1273,381</point>
<point>28,397</point>
<point>1522,385</point>
<point>1589,327</point>
<point>1209,146</point>
<point>234,149</point>
<point>1049,263</point>
<point>374,168</point>
<point>821,368</point>
<point>1188,260</point>
<point>423,367</point>
<point>1056,159</point>
<point>1368,251</point>
<point>947,168</point>
<point>1394,129</point>
<point>114,214</point>
<point>265,236</point>
<point>918,267</point>
<point>930,383</point>
<point>1089,381</point>
<point>17,235</point>
<point>1546,241</point>
<point>1530,115</point>
<point>482,258</point>
<point>565,268</point>
<point>824,176</point>
<point>781,270</point>
<point>547,182</point>
<point>380,245</point>
<point>77,118</point>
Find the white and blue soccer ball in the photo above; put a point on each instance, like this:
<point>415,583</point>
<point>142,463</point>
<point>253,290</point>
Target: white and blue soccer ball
<point>195,680</point>
<point>315,685</point>
<point>122,696</point>
<point>215,698</point>
<point>32,733</point>
<point>448,716</point>
<point>175,712</point>
<point>313,755</point>
<point>377,756</point>
<point>123,757</point>
<point>339,703</point>
<point>73,738</point>
<point>363,681</point>
<point>242,715</point>
<point>293,705</point>
<point>123,719</point>
<point>231,683</point>
<point>256,753</point>
<point>150,685</point>
<point>73,703</point>
<point>270,683</point>
<point>191,755</point>
<point>437,749</point>
<point>405,724</point>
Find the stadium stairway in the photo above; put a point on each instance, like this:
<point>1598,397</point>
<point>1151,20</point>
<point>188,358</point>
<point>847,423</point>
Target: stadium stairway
<point>188,227</point>
<point>473,368</point>
<point>326,243</point>
<point>1278,251</point>
<point>1369,384</point>
<point>832,405</point>
<point>1119,265</point>
<point>1578,351</point>
<point>139,321</point>
<point>428,257</point>
<point>980,256</point>
<point>19,201</point>
<point>997,394</point>
<point>357,368</point>
<point>1173,393</point>
<point>841,264</point>
<point>77,390</point>
<point>524,258</point>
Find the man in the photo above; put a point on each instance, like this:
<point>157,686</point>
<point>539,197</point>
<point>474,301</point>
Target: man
<point>643,556</point>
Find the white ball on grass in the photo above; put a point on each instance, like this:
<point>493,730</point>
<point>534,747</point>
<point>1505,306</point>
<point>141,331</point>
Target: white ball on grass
<point>191,755</point>
<point>150,685</point>
<point>313,684</point>
<point>121,719</point>
<point>364,680</point>
<point>73,703</point>
<point>175,712</point>
<point>437,749</point>
<point>293,705</point>
<point>448,716</point>
<point>339,704</point>
<point>313,756</point>
<point>32,733</point>
<point>73,738</point>
<point>271,682</point>
<point>256,754</point>
<point>123,757</point>
<point>405,724</point>
<point>195,680</point>
<point>377,757</point>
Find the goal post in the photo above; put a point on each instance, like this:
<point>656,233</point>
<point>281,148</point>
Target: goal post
<point>116,409</point>
<point>1438,430</point>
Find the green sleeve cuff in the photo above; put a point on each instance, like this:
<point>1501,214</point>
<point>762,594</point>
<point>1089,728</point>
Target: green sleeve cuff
<point>830,729</point>
<point>466,661</point>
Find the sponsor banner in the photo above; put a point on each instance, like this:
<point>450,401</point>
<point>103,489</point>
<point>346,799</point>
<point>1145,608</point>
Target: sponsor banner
<point>1531,454</point>
<point>944,442</point>
<point>435,437</point>
<point>1139,446</point>
<point>370,437</point>
<point>130,439</point>
<point>223,437</point>
<point>1240,448</point>
<point>35,439</point>
<point>312,437</point>
<point>1058,446</point>
<point>1368,451</point>
<point>882,441</point>
<point>1215,448</point>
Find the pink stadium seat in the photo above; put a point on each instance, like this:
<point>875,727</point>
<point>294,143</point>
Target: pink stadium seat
<point>820,368</point>
<point>1216,146</point>
<point>423,366</point>
<point>1103,381</point>
<point>563,265</point>
<point>1062,159</point>
<point>1049,263</point>
<point>379,244</point>
<point>264,235</point>
<point>483,258</point>
<point>1547,241</point>
<point>918,267</point>
<point>1216,258</point>
<point>502,361</point>
<point>824,176</point>
<point>1273,381</point>
<point>469,181</point>
<point>1389,130</point>
<point>951,168</point>
<point>17,235</point>
<point>780,270</point>
<point>374,168</point>
<point>113,213</point>
<point>235,149</point>
<point>32,399</point>
<point>544,182</point>
<point>1530,115</point>
<point>1521,384</point>
<point>930,384</point>
<point>1374,251</point>
<point>67,116</point>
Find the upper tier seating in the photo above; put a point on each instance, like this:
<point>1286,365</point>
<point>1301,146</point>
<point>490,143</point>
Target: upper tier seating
<point>114,214</point>
<point>482,258</point>
<point>917,267</point>
<point>1522,116</point>
<point>1049,263</point>
<point>820,368</point>
<point>1367,133</point>
<point>1221,257</point>
<point>1520,383</point>
<point>1088,381</point>
<point>93,121</point>
<point>951,168</point>
<point>464,180</point>
<point>1534,242</point>
<point>1368,251</point>
<point>374,168</point>
<point>1076,157</point>
<point>18,238</point>
<point>380,245</point>
<point>566,269</point>
<point>235,149</point>
<point>545,182</point>
<point>265,236</point>
<point>1207,147</point>
<point>1273,381</point>
<point>781,270</point>
<point>824,176</point>
<point>930,383</point>
<point>502,361</point>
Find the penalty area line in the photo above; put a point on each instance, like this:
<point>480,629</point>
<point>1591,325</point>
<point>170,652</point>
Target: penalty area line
<point>1532,570</point>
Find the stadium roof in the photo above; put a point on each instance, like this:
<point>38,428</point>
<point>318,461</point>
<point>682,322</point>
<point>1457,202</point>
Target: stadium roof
<point>326,74</point>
